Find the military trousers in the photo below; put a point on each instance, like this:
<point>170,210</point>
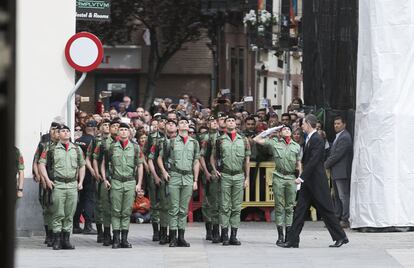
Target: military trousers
<point>122,197</point>
<point>284,193</point>
<point>164,204</point>
<point>180,191</point>
<point>231,188</point>
<point>211,200</point>
<point>153,193</point>
<point>65,198</point>
<point>103,205</point>
<point>46,203</point>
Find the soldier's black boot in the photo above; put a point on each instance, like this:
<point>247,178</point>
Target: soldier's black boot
<point>124,239</point>
<point>76,228</point>
<point>287,233</point>
<point>173,238</point>
<point>89,229</point>
<point>57,242</point>
<point>233,237</point>
<point>156,233</point>
<point>47,238</point>
<point>50,241</point>
<point>116,241</point>
<point>216,234</point>
<point>163,236</point>
<point>225,236</point>
<point>107,236</point>
<point>99,238</point>
<point>280,238</point>
<point>208,231</point>
<point>66,241</point>
<point>181,241</point>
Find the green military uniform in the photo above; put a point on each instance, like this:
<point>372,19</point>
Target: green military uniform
<point>155,139</point>
<point>123,167</point>
<point>64,173</point>
<point>45,194</point>
<point>182,157</point>
<point>103,204</point>
<point>211,200</point>
<point>19,161</point>
<point>284,187</point>
<point>162,200</point>
<point>232,154</point>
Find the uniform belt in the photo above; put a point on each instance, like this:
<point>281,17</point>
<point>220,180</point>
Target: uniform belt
<point>284,172</point>
<point>123,179</point>
<point>182,172</point>
<point>66,180</point>
<point>232,173</point>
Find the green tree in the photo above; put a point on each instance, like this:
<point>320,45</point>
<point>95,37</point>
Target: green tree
<point>170,23</point>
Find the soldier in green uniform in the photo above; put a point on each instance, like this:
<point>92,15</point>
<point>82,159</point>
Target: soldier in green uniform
<point>126,173</point>
<point>109,133</point>
<point>286,154</point>
<point>155,138</point>
<point>68,165</point>
<point>44,192</point>
<point>19,173</point>
<point>162,191</point>
<point>210,205</point>
<point>231,157</point>
<point>183,157</point>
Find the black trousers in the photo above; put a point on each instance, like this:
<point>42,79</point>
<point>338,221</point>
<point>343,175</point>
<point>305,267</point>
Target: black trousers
<point>86,203</point>
<point>323,204</point>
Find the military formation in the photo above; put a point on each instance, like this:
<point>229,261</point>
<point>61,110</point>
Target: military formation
<point>108,167</point>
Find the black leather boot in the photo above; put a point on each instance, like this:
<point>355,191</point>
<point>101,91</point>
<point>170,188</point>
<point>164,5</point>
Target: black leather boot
<point>107,236</point>
<point>287,233</point>
<point>216,234</point>
<point>163,236</point>
<point>46,235</point>
<point>233,237</point>
<point>66,241</point>
<point>181,241</point>
<point>99,238</point>
<point>173,238</point>
<point>124,239</point>
<point>208,231</point>
<point>116,242</point>
<point>57,242</point>
<point>156,233</point>
<point>88,229</point>
<point>280,238</point>
<point>225,236</point>
<point>50,241</point>
<point>76,228</point>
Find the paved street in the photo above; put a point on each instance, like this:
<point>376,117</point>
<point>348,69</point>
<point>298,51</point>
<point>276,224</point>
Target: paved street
<point>258,249</point>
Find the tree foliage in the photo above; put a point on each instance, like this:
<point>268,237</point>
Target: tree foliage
<point>171,23</point>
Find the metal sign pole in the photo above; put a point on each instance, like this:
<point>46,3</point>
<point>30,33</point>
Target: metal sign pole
<point>69,114</point>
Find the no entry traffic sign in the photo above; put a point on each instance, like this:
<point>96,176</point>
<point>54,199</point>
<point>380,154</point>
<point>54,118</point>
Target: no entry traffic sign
<point>84,52</point>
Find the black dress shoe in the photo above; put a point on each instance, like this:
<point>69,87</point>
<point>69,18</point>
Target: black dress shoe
<point>340,242</point>
<point>288,244</point>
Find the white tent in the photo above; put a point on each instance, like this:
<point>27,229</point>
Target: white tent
<point>382,185</point>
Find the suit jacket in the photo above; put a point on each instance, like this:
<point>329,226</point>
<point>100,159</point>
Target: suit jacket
<point>313,173</point>
<point>340,157</point>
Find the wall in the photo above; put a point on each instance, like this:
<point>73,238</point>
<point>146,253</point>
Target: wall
<point>42,84</point>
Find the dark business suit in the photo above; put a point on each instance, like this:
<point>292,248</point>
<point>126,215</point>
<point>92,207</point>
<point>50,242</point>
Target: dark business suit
<point>315,191</point>
<point>339,162</point>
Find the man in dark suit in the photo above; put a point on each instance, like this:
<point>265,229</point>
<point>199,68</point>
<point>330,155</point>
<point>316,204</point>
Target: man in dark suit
<point>339,162</point>
<point>314,189</point>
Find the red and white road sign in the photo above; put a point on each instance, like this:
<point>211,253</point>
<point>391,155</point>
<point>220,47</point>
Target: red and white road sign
<point>84,52</point>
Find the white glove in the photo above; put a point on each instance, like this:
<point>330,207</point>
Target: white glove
<point>269,131</point>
